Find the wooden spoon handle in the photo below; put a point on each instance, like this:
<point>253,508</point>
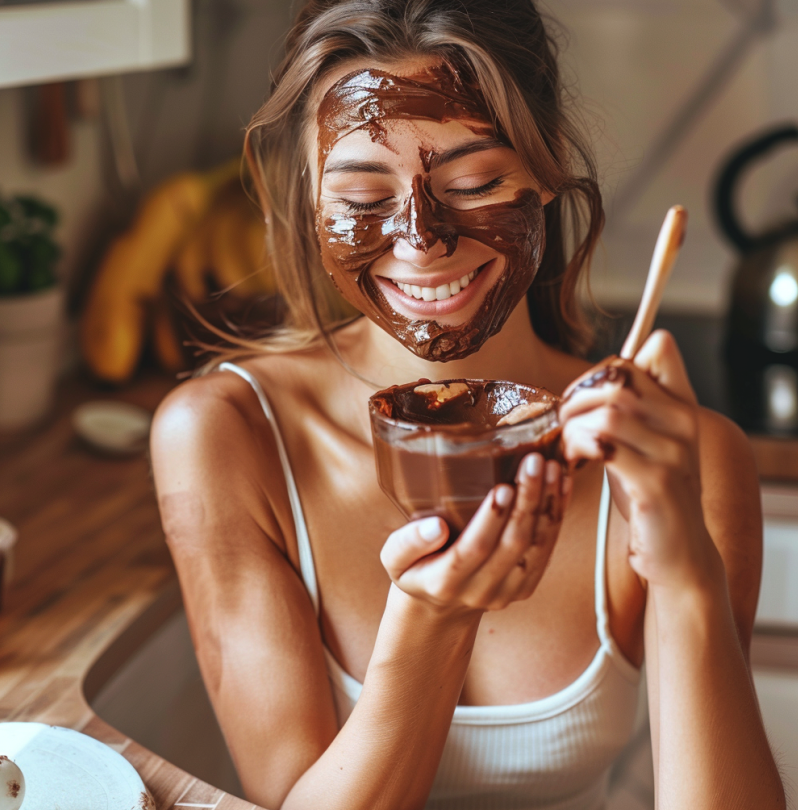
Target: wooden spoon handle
<point>670,239</point>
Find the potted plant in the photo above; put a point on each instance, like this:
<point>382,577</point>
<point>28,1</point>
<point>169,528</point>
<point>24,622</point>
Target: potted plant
<point>31,310</point>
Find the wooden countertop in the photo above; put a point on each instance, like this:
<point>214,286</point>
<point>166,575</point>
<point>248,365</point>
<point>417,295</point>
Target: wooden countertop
<point>90,560</point>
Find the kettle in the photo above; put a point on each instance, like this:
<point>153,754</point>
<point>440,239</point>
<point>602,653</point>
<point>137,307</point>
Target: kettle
<point>761,331</point>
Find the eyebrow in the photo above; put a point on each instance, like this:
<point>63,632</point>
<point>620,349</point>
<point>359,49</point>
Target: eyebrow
<point>437,158</point>
<point>482,145</point>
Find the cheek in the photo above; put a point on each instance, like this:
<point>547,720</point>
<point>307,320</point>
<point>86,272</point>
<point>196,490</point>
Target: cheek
<point>349,246</point>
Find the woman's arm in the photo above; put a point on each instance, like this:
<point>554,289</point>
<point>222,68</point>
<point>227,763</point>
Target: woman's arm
<point>257,638</point>
<point>695,539</point>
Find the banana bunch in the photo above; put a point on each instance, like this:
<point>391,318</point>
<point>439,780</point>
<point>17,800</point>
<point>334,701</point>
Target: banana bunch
<point>199,231</point>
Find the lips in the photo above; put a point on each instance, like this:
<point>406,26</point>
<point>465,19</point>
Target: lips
<point>439,293</point>
<point>402,296</point>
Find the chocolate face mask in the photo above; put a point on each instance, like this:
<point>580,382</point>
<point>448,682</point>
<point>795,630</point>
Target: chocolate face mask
<point>351,243</point>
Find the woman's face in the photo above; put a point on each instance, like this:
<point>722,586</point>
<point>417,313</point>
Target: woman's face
<point>427,222</point>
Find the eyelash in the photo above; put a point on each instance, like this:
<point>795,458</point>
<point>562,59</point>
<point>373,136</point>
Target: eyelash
<point>353,207</point>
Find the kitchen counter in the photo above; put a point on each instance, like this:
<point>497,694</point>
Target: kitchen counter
<point>90,561</point>
<point>93,576</point>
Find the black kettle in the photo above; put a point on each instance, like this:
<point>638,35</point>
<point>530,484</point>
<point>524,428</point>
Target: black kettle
<point>761,335</point>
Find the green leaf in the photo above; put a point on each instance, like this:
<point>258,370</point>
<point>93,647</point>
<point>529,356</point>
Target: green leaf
<point>34,208</point>
<point>39,256</point>
<point>10,271</point>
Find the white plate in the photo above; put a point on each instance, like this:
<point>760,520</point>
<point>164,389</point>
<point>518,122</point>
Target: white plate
<point>115,427</point>
<point>67,770</point>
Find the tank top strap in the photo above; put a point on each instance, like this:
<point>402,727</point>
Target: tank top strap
<point>600,587</point>
<point>306,565</point>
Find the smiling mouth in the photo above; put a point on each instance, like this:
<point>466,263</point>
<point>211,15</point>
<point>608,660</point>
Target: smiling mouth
<point>443,291</point>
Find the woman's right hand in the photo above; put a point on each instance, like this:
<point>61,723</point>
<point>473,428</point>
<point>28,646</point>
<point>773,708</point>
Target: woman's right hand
<point>502,553</point>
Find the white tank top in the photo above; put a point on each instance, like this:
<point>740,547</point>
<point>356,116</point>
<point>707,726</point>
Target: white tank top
<point>550,754</point>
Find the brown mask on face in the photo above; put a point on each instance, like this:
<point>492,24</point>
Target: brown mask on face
<point>351,243</point>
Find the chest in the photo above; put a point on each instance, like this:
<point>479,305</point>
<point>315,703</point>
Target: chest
<point>529,650</point>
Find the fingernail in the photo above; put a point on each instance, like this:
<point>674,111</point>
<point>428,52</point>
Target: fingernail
<point>567,483</point>
<point>502,497</point>
<point>430,528</point>
<point>533,465</point>
<point>552,472</point>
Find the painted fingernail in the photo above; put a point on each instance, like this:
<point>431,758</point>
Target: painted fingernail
<point>552,472</point>
<point>502,497</point>
<point>533,465</point>
<point>430,528</point>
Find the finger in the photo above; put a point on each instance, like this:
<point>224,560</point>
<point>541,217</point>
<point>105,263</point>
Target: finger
<point>660,357</point>
<point>660,410</point>
<point>526,544</point>
<point>412,542</point>
<point>475,544</point>
<point>610,426</point>
<point>579,442</point>
<point>518,532</point>
<point>610,371</point>
<point>551,507</point>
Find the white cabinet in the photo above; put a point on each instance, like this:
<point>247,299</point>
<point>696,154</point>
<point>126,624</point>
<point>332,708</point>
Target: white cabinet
<point>778,596</point>
<point>43,42</point>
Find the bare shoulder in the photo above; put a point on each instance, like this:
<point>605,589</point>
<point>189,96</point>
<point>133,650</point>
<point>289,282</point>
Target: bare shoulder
<point>197,425</point>
<point>214,464</point>
<point>221,406</point>
<point>732,509</point>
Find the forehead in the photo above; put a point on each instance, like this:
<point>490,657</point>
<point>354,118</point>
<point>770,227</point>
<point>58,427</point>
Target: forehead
<point>361,98</point>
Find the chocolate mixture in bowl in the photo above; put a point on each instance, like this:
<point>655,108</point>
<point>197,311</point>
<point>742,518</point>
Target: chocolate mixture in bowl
<point>441,447</point>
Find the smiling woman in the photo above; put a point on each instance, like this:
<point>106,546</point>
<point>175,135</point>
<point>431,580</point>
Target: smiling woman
<point>511,109</point>
<point>437,134</point>
<point>418,155</point>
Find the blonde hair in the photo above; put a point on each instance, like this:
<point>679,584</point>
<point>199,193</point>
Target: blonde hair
<point>507,49</point>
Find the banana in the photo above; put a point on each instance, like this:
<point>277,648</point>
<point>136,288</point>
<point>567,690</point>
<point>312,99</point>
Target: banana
<point>165,340</point>
<point>191,264</point>
<point>132,271</point>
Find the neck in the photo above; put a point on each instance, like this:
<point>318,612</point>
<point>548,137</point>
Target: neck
<point>516,353</point>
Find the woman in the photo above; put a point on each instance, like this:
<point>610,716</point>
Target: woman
<point>418,153</point>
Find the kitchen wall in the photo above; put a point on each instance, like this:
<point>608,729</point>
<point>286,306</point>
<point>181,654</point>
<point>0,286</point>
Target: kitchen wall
<point>179,118</point>
<point>635,62</point>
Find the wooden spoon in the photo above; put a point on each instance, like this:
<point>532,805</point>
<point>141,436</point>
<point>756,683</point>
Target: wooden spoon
<point>670,239</point>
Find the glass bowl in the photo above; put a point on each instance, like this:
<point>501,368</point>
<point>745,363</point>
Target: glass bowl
<point>441,447</point>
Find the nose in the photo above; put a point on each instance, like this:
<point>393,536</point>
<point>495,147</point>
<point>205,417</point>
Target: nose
<point>422,239</point>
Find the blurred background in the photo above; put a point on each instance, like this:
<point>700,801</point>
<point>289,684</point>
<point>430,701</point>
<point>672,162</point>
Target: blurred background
<point>121,126</point>
<point>668,90</point>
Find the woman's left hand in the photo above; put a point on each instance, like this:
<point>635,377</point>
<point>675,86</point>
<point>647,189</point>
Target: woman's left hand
<point>644,425</point>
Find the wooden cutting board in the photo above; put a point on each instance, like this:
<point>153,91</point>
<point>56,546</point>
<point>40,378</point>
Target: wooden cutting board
<point>67,770</point>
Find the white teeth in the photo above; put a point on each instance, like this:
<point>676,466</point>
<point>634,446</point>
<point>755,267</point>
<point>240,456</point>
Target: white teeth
<point>440,293</point>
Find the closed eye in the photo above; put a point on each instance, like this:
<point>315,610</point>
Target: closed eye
<point>478,191</point>
<point>354,207</point>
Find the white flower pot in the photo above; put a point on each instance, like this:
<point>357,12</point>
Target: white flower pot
<point>30,337</point>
